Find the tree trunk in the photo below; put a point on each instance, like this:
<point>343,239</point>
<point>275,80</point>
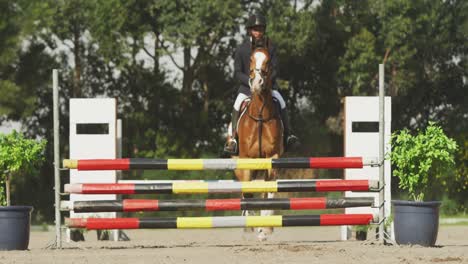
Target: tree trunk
<point>188,77</point>
<point>158,88</point>
<point>156,53</point>
<point>395,88</point>
<point>77,72</point>
<point>7,190</point>
<point>206,98</point>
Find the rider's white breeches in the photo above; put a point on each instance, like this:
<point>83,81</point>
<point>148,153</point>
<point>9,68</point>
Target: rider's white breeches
<point>280,99</point>
<point>241,97</point>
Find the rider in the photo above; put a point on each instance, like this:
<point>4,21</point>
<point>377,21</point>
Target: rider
<point>256,25</point>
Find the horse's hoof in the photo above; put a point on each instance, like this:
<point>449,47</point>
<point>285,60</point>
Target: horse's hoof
<point>262,237</point>
<point>263,233</point>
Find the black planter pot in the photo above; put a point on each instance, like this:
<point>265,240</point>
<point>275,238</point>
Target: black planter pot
<point>416,222</point>
<point>15,224</point>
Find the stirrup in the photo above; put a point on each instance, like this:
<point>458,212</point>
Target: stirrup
<point>292,139</point>
<point>292,143</point>
<point>231,146</point>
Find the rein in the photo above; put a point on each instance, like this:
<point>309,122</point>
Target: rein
<point>260,122</point>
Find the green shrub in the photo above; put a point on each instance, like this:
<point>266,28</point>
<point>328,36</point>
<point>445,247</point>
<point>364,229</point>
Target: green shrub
<point>449,207</point>
<point>423,162</point>
<point>17,154</point>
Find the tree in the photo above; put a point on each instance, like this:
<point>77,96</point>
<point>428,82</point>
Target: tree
<point>427,59</point>
<point>12,101</point>
<point>197,31</point>
<point>169,65</point>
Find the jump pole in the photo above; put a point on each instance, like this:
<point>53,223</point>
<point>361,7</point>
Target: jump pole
<point>381,152</point>
<point>55,94</point>
<point>136,205</point>
<point>222,187</point>
<point>220,164</point>
<point>220,221</point>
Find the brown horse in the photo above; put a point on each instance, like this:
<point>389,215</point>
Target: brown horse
<point>260,130</point>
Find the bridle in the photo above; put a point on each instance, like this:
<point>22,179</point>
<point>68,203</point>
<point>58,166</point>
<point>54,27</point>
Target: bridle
<point>264,73</point>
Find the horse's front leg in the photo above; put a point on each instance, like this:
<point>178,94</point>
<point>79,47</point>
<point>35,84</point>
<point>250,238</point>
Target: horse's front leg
<point>245,175</point>
<point>264,232</point>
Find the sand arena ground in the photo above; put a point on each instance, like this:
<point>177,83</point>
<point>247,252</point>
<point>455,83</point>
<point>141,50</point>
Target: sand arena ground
<point>287,245</point>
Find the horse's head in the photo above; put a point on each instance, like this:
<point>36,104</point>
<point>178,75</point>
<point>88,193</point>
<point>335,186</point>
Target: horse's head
<point>260,70</point>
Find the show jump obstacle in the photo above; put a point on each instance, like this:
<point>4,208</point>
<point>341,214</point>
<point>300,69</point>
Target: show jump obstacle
<point>90,195</point>
<point>219,187</point>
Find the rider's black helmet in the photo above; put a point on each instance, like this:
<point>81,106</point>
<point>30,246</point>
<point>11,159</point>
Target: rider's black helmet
<point>256,19</point>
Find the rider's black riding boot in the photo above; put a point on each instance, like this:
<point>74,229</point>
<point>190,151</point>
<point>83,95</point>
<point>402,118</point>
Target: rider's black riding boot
<point>231,145</point>
<point>289,139</point>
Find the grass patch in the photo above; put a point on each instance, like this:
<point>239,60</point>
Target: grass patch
<point>460,219</point>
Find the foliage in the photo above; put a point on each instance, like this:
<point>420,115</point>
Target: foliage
<point>17,155</point>
<point>458,186</point>
<point>10,39</point>
<point>423,162</point>
<point>461,175</point>
<point>362,228</point>
<point>359,62</point>
<point>450,207</point>
<point>10,29</point>
<point>169,64</point>
<point>427,62</point>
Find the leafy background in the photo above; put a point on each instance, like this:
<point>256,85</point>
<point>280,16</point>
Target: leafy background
<point>169,63</point>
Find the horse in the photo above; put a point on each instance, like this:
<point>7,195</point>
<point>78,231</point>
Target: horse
<point>260,129</point>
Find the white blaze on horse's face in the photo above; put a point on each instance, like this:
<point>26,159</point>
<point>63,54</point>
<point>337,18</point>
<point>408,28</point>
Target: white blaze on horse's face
<point>258,81</point>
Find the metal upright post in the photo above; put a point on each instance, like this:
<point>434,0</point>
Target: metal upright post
<point>55,87</point>
<point>381,151</point>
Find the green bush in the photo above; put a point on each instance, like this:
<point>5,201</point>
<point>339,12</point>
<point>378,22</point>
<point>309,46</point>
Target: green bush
<point>449,207</point>
<point>17,154</point>
<point>423,162</point>
<point>458,186</point>
<point>362,228</point>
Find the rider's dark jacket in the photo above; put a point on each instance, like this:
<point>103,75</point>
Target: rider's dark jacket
<point>242,65</point>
